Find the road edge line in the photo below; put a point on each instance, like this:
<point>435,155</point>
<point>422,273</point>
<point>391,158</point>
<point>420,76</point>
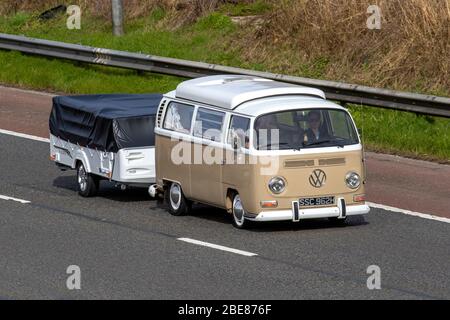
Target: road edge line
<point>24,135</point>
<point>408,212</point>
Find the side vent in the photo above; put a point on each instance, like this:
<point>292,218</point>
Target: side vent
<point>160,113</point>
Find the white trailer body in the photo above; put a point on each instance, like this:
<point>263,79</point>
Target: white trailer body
<point>105,137</point>
<point>130,166</point>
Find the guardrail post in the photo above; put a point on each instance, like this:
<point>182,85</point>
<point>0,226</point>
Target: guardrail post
<point>117,17</point>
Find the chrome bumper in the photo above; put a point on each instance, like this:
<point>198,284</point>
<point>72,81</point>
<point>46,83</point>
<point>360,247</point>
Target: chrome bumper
<point>338,211</point>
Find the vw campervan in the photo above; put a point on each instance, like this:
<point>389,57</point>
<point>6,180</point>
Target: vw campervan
<point>261,149</point>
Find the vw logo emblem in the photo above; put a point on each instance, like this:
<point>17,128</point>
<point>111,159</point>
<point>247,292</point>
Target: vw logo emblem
<point>317,178</point>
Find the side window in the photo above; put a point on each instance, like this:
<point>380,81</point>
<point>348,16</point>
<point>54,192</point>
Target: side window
<point>239,133</point>
<point>341,125</point>
<point>178,117</point>
<point>208,124</point>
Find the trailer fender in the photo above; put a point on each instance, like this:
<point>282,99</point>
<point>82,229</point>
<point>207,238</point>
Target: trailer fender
<point>81,155</point>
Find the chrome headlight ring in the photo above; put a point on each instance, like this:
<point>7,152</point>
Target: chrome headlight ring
<point>277,185</point>
<point>353,180</point>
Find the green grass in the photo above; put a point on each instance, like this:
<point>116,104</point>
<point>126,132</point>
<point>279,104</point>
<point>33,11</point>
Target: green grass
<point>404,133</point>
<point>207,40</point>
<point>66,77</point>
<point>201,41</point>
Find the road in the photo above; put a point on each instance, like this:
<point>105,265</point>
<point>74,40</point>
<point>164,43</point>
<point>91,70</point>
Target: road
<point>128,247</point>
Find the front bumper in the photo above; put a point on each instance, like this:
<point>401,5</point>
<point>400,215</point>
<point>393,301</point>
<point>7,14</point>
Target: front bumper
<point>340,211</point>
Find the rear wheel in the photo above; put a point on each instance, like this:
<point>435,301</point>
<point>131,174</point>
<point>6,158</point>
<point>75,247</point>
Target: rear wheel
<point>238,213</point>
<point>177,202</point>
<point>87,183</point>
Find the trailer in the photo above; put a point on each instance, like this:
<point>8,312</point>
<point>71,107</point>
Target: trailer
<point>105,137</point>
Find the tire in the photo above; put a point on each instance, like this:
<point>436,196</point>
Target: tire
<point>176,201</point>
<point>87,183</point>
<point>238,213</point>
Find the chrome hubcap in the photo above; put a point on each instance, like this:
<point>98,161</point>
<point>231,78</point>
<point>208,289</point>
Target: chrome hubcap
<point>175,196</point>
<point>82,178</point>
<point>238,211</point>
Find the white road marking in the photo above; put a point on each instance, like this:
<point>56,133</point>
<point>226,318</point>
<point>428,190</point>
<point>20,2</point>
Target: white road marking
<point>218,247</point>
<point>408,212</point>
<point>23,135</point>
<point>14,199</point>
<point>373,205</point>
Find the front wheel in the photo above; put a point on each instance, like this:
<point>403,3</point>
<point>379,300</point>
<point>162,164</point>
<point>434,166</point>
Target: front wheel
<point>87,183</point>
<point>177,202</point>
<point>239,213</point>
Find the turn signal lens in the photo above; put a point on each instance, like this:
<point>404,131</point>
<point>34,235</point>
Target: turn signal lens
<point>359,198</point>
<point>269,204</point>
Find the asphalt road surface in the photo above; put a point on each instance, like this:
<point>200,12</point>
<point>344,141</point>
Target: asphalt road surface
<point>127,246</point>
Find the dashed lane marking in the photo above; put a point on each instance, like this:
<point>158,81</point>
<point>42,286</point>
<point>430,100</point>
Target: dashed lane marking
<point>218,247</point>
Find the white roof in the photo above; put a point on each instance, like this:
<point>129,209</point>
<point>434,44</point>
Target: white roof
<point>259,107</point>
<point>230,91</point>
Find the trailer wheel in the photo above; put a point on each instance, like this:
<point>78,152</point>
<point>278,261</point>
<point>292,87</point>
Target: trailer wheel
<point>87,183</point>
<point>175,199</point>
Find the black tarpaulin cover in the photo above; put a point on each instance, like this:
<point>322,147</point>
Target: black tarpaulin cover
<point>106,122</point>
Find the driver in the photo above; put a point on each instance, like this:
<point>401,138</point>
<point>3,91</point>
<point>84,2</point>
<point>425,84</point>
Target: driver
<point>313,133</point>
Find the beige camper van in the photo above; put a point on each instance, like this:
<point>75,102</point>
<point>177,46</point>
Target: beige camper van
<point>261,149</point>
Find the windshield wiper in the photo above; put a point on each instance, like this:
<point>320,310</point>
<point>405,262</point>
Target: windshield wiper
<point>340,145</point>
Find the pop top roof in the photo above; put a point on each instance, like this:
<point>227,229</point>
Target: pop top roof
<point>230,91</point>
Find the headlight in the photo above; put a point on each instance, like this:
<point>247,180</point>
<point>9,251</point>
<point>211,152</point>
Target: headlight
<point>353,180</point>
<point>277,185</point>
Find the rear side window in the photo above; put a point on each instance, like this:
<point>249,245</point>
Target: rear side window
<point>238,135</point>
<point>208,124</point>
<point>179,117</point>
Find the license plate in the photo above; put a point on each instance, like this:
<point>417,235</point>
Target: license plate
<point>314,202</point>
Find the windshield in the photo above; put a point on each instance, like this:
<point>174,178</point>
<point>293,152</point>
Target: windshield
<point>300,129</point>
